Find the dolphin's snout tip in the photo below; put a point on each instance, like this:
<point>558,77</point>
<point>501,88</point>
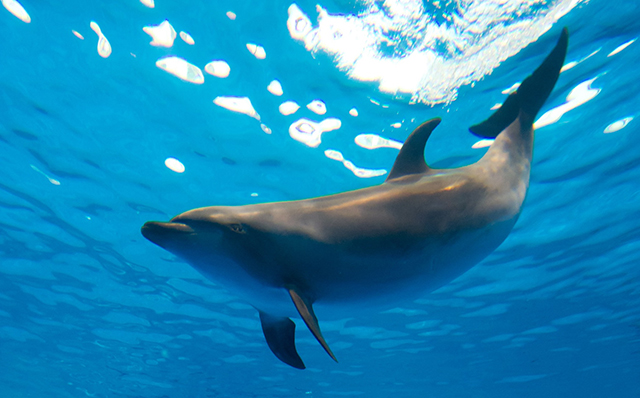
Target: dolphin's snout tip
<point>161,232</point>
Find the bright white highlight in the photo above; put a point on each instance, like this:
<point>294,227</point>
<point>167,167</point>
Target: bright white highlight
<point>288,108</point>
<point>163,34</point>
<point>51,180</point>
<point>218,68</point>
<point>333,154</point>
<point>182,69</point>
<point>174,165</point>
<point>374,141</point>
<point>411,54</point>
<point>17,10</point>
<point>104,47</point>
<point>511,89</point>
<point>275,88</point>
<point>237,104</point>
<point>317,106</point>
<point>581,94</point>
<point>621,47</point>
<point>618,125</point>
<point>264,128</point>
<point>572,64</point>
<point>309,132</point>
<point>186,37</point>
<point>482,144</point>
<point>256,50</point>
<point>358,171</point>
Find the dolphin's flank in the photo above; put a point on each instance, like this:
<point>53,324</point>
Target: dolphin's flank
<point>415,232</point>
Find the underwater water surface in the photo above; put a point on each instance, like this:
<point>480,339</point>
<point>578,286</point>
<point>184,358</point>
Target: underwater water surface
<point>241,102</point>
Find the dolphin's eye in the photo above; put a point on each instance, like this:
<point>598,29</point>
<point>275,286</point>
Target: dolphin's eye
<point>237,228</point>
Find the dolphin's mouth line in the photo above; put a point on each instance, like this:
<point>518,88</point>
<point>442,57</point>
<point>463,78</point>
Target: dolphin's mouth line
<point>171,225</point>
<point>162,232</point>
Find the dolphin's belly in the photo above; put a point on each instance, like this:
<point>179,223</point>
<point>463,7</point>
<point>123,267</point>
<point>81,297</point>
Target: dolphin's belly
<point>232,276</point>
<point>383,275</point>
<point>373,276</point>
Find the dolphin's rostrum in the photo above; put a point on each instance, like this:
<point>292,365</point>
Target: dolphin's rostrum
<point>414,233</point>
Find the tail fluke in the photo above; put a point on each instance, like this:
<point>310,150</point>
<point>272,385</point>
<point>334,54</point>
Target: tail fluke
<point>531,95</point>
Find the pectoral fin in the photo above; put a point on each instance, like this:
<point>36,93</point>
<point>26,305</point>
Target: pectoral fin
<point>306,312</point>
<point>280,335</point>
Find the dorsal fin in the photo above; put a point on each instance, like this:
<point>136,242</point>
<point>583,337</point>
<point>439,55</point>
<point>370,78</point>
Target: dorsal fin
<point>410,160</point>
<point>531,95</point>
<point>303,305</point>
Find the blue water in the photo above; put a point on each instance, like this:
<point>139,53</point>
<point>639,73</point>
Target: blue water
<point>88,307</point>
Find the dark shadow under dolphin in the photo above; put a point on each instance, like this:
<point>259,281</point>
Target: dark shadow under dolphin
<point>417,231</point>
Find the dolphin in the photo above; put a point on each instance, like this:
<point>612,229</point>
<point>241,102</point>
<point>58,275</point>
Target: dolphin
<point>414,233</point>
